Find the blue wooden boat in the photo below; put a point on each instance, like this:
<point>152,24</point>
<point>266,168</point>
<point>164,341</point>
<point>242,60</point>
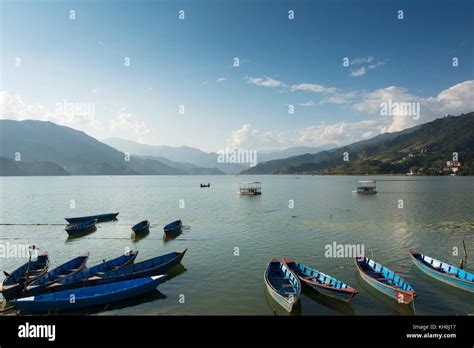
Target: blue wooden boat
<point>320,282</point>
<point>81,228</point>
<point>151,267</point>
<point>173,227</point>
<point>97,270</point>
<point>88,296</point>
<point>14,283</point>
<point>444,272</point>
<point>100,218</point>
<point>282,284</point>
<point>63,271</point>
<point>385,280</point>
<point>141,228</point>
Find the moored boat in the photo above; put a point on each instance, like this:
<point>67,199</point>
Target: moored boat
<point>173,227</point>
<point>89,296</point>
<point>81,228</point>
<point>320,282</point>
<point>63,271</point>
<point>385,280</point>
<point>100,218</point>
<point>141,228</point>
<point>151,267</point>
<point>444,272</point>
<point>96,270</point>
<point>14,282</point>
<point>282,284</point>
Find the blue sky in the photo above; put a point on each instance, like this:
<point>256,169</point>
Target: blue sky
<point>283,62</point>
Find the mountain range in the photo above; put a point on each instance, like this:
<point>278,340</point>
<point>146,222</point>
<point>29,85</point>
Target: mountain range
<point>424,150</point>
<point>45,148</point>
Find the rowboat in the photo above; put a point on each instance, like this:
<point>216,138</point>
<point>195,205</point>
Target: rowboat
<point>282,284</point>
<point>385,280</point>
<point>320,282</point>
<point>206,185</point>
<point>151,267</point>
<point>89,296</point>
<point>97,270</point>
<point>100,218</point>
<point>66,269</point>
<point>444,272</point>
<point>173,227</point>
<point>141,227</point>
<point>15,282</point>
<point>81,228</point>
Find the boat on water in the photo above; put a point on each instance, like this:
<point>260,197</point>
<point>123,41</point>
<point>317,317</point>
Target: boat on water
<point>63,271</point>
<point>366,187</point>
<point>100,218</point>
<point>173,227</point>
<point>89,296</point>
<point>282,285</point>
<point>14,282</point>
<point>320,282</point>
<point>385,280</point>
<point>250,188</point>
<point>81,228</point>
<point>151,267</point>
<point>444,272</point>
<point>96,270</point>
<point>204,185</point>
<point>141,228</point>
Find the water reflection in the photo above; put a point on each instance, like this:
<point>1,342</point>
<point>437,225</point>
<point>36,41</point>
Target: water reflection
<point>276,309</point>
<point>341,307</point>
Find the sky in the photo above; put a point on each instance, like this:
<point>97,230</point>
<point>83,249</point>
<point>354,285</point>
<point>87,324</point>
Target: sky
<point>136,70</point>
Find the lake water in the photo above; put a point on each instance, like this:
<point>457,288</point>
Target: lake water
<point>217,278</point>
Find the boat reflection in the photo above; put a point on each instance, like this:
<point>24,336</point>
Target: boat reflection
<point>341,307</point>
<point>276,309</point>
<point>136,237</point>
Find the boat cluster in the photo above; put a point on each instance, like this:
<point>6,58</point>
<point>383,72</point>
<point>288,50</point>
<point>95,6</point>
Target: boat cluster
<point>72,285</point>
<point>80,226</point>
<point>284,279</point>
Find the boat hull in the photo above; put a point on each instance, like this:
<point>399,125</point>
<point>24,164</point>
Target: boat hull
<point>446,279</point>
<point>100,218</point>
<point>11,289</point>
<point>277,278</point>
<point>89,297</point>
<point>401,296</point>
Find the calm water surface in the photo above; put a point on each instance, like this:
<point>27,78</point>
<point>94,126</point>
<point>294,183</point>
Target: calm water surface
<point>437,215</point>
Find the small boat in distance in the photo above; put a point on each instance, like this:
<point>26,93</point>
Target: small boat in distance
<point>173,227</point>
<point>89,296</point>
<point>250,188</point>
<point>444,272</point>
<point>321,282</point>
<point>366,187</point>
<point>100,218</point>
<point>63,271</point>
<point>282,285</point>
<point>204,185</point>
<point>141,228</point>
<point>14,283</point>
<point>81,228</point>
<point>385,280</point>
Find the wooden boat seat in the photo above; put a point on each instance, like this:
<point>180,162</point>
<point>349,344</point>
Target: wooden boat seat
<point>384,278</point>
<point>286,285</point>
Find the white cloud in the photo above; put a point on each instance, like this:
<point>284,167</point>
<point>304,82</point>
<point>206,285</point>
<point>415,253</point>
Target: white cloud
<point>308,103</point>
<point>221,79</point>
<point>264,82</point>
<point>455,100</point>
<point>126,123</point>
<point>313,87</point>
<point>363,69</point>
